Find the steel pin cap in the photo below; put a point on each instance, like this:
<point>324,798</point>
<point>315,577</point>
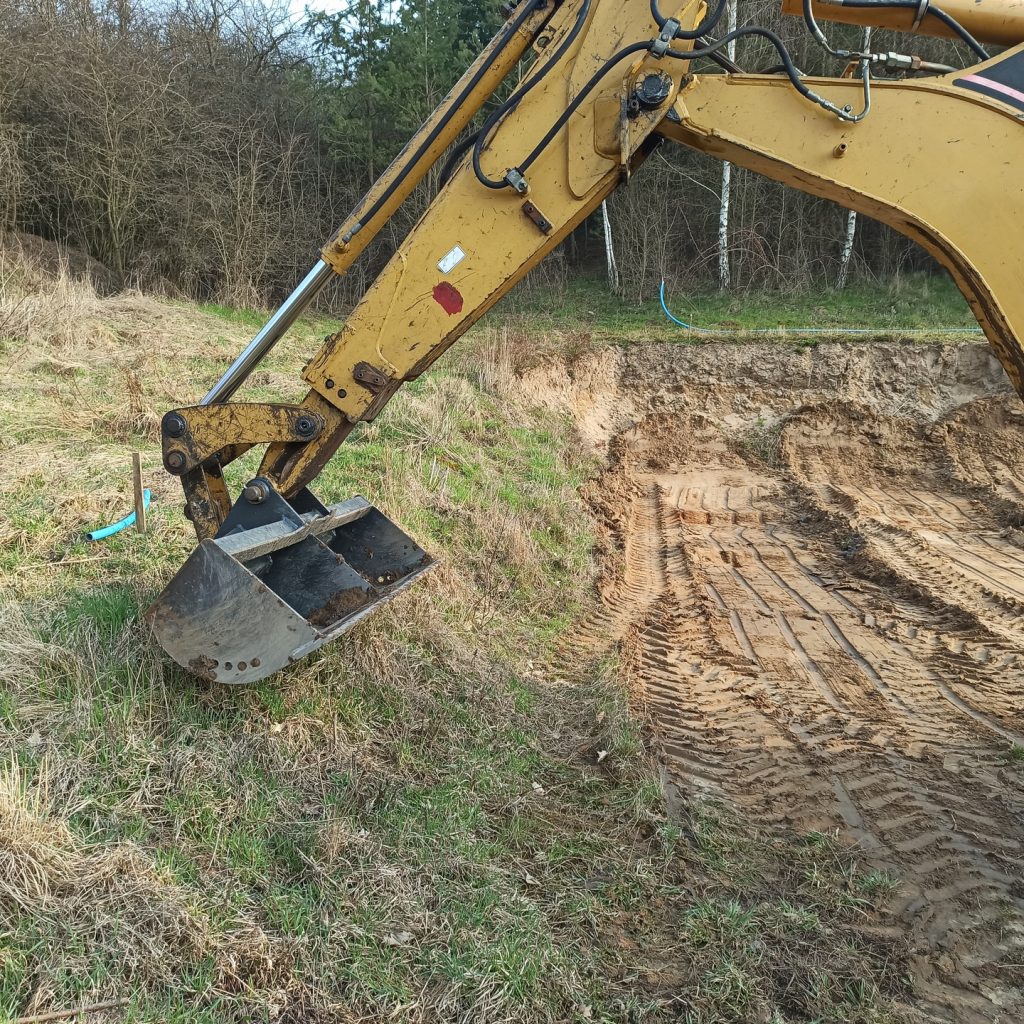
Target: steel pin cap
<point>256,492</point>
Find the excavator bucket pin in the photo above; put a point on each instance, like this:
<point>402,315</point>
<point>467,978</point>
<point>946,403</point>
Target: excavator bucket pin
<point>281,579</point>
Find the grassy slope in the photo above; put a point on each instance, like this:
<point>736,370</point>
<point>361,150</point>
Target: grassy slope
<point>449,815</point>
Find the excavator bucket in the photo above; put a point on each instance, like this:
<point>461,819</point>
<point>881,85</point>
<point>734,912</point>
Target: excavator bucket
<point>280,580</point>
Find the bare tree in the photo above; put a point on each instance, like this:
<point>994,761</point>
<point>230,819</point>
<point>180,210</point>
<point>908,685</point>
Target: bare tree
<point>211,147</point>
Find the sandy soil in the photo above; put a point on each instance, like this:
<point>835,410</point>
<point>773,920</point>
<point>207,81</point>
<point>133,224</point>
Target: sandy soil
<point>815,575</point>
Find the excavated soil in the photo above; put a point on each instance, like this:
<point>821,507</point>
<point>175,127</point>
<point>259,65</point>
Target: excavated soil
<point>814,573</point>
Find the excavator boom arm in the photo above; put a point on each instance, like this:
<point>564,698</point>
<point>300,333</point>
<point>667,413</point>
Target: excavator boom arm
<point>937,160</point>
<point>934,158</point>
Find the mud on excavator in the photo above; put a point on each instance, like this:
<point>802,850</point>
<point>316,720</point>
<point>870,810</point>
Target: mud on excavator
<point>932,150</point>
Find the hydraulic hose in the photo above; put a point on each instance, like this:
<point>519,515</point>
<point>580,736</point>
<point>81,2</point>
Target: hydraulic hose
<point>367,215</point>
<point>780,47</point>
<point>711,50</point>
<point>707,25</point>
<point>789,67</point>
<point>935,12</point>
<point>811,24</point>
<point>587,89</point>
<point>457,154</point>
<point>513,101</point>
<point>707,51</point>
<point>951,22</point>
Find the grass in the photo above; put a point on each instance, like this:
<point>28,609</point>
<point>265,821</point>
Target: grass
<point>762,441</point>
<point>911,302</point>
<point>450,814</point>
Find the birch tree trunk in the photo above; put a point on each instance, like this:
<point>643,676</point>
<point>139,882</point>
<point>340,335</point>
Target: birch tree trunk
<point>851,217</point>
<point>724,276</point>
<point>609,249</point>
<point>844,258</point>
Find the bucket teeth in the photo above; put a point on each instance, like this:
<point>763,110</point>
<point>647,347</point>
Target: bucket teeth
<point>278,583</point>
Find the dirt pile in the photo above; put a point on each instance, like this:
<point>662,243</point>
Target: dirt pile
<point>815,577</point>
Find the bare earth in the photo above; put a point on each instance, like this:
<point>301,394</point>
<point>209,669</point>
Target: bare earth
<point>815,576</point>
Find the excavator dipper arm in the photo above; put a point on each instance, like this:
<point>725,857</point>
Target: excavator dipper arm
<point>277,574</point>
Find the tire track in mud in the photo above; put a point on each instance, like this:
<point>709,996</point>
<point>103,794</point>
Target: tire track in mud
<point>780,676</point>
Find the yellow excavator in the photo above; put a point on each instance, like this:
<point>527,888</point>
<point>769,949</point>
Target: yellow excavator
<point>935,151</point>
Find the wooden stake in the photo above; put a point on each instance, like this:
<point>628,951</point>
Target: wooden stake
<point>140,503</point>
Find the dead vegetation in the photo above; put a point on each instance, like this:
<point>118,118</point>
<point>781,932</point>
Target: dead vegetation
<point>762,441</point>
<point>202,145</point>
<point>76,897</point>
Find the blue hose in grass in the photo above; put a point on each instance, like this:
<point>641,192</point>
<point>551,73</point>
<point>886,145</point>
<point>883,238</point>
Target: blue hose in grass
<point>121,524</point>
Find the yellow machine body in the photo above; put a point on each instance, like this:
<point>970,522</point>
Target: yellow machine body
<point>936,158</point>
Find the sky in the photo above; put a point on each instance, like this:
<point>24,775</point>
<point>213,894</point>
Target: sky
<point>330,6</point>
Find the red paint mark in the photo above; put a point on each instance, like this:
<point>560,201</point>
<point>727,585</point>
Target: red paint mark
<point>448,298</point>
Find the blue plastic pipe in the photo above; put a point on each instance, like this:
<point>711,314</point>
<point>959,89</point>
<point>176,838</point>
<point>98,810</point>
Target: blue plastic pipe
<point>809,330</point>
<point>121,524</point>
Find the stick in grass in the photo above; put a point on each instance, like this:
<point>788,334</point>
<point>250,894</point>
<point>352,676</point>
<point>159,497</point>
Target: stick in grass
<point>140,503</point>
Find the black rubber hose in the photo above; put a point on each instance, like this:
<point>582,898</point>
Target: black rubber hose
<point>811,24</point>
<point>935,12</point>
<point>457,154</point>
<point>707,25</point>
<point>571,109</point>
<point>780,47</point>
<point>367,215</point>
<point>513,101</point>
<point>787,65</point>
<point>627,51</point>
<point>948,19</point>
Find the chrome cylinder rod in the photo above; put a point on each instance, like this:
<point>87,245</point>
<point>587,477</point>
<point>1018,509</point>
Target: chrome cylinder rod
<point>270,334</point>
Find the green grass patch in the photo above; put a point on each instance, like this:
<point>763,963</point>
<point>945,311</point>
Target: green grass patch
<point>913,302</point>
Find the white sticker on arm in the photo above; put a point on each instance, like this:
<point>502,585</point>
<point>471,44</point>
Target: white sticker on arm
<point>450,260</point>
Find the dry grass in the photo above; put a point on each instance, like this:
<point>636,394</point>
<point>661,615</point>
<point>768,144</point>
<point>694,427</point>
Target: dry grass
<point>57,311</point>
<point>77,897</point>
<point>440,818</point>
